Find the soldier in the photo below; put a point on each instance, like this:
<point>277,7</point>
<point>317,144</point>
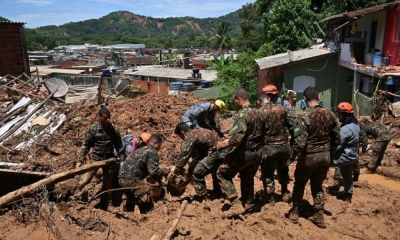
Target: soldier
<point>381,137</point>
<point>276,150</point>
<point>142,163</point>
<point>347,152</point>
<point>102,138</point>
<point>197,143</point>
<point>202,115</point>
<point>316,136</point>
<point>247,137</point>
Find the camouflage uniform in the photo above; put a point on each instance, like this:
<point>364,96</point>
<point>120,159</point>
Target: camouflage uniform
<point>102,142</point>
<point>202,115</point>
<point>276,151</point>
<point>381,137</point>
<point>142,163</point>
<point>197,144</point>
<point>247,136</point>
<point>314,143</point>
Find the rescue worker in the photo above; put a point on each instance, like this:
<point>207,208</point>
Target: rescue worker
<point>347,152</point>
<point>202,115</point>
<point>277,121</point>
<point>314,138</point>
<point>130,144</point>
<point>381,136</point>
<point>102,138</point>
<point>246,139</point>
<point>197,144</point>
<point>142,163</point>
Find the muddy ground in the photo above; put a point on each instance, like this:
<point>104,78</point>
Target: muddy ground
<point>374,213</point>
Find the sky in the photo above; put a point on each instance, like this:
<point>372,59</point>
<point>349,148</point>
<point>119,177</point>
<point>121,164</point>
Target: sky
<point>36,13</point>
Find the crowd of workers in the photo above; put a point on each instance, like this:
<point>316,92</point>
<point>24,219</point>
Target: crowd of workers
<point>270,136</point>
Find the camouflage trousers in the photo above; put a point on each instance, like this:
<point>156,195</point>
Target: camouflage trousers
<point>108,173</point>
<point>246,164</point>
<point>139,194</point>
<point>313,167</point>
<point>378,150</point>
<point>275,157</point>
<point>206,166</point>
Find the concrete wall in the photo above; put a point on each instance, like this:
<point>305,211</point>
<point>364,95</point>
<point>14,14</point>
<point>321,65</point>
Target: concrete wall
<point>364,24</point>
<point>13,52</point>
<point>331,80</point>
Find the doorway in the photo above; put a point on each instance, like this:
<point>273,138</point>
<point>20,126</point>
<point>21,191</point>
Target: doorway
<point>372,36</point>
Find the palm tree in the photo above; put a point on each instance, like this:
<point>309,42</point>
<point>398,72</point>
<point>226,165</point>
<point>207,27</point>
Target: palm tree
<point>222,38</point>
<point>219,63</point>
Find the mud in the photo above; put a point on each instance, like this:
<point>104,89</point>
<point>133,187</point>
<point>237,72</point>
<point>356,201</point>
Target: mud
<point>373,214</point>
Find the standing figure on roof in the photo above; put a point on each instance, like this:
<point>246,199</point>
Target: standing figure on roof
<point>202,115</point>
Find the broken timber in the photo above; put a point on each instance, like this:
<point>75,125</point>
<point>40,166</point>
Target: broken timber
<point>56,222</point>
<point>24,191</point>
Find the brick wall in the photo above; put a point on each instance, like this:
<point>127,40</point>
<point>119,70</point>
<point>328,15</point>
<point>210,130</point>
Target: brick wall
<point>13,52</point>
<point>151,86</point>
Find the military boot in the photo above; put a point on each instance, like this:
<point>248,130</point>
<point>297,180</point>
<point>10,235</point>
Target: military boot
<point>286,196</point>
<point>270,189</point>
<point>347,197</point>
<point>318,218</point>
<point>355,176</point>
<point>236,209</point>
<point>294,214</point>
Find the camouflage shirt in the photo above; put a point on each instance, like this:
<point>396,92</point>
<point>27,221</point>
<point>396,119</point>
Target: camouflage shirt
<point>318,131</point>
<point>277,120</point>
<point>196,140</point>
<point>247,131</point>
<point>142,163</point>
<point>374,129</point>
<point>102,142</point>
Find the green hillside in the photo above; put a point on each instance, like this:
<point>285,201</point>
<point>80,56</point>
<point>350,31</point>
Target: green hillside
<point>124,27</point>
<point>3,19</point>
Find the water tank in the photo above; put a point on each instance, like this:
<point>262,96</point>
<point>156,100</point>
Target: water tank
<point>105,71</point>
<point>195,70</point>
<point>187,87</point>
<point>206,83</point>
<point>176,85</point>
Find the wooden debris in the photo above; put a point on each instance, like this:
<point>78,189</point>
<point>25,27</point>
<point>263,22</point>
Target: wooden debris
<point>56,222</point>
<point>175,223</point>
<point>53,179</point>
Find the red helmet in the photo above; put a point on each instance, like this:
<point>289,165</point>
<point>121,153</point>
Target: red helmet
<point>345,107</point>
<point>145,137</point>
<point>270,88</point>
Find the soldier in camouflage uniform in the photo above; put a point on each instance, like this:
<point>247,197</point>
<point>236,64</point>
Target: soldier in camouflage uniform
<point>197,144</point>
<point>247,137</point>
<point>102,138</point>
<point>278,120</point>
<point>142,163</point>
<point>381,137</point>
<point>316,137</point>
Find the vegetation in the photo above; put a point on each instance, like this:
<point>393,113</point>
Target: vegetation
<point>222,36</point>
<point>127,27</point>
<point>2,19</point>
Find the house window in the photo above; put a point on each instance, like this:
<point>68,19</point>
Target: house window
<point>398,27</point>
<point>302,82</point>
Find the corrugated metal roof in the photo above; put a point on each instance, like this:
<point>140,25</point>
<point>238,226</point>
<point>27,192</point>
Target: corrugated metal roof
<point>362,12</point>
<point>283,58</point>
<point>174,73</point>
<point>13,22</point>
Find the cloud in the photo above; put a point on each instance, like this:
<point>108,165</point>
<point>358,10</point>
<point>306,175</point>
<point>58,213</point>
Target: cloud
<point>36,2</point>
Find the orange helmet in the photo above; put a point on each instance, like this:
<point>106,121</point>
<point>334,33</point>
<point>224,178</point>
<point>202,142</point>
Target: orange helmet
<point>270,88</point>
<point>145,137</point>
<point>345,107</point>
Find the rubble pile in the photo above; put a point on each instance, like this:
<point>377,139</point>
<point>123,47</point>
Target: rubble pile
<point>151,113</point>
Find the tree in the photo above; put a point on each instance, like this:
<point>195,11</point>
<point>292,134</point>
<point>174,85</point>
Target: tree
<point>168,44</point>
<point>222,38</point>
<point>218,63</point>
<point>290,25</point>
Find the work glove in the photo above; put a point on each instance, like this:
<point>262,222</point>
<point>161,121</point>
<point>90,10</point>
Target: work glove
<point>122,157</point>
<point>197,126</point>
